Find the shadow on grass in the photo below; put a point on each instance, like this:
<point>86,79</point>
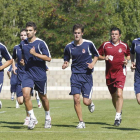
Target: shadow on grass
<point>11,122</point>
<point>122,128</point>
<point>64,125</point>
<point>99,123</point>
<point>113,127</point>
<point>14,127</point>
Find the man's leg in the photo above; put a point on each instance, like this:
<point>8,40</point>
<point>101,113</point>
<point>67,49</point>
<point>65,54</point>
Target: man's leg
<point>45,104</point>
<point>27,101</point>
<point>12,96</point>
<point>38,99</point>
<point>20,100</point>
<point>117,100</point>
<point>89,103</point>
<point>114,99</point>
<point>78,109</point>
<point>77,106</point>
<point>27,98</point>
<point>138,98</point>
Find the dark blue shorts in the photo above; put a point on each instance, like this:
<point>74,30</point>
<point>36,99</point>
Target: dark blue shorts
<point>19,90</point>
<point>13,88</point>
<point>1,80</point>
<point>82,83</point>
<point>40,86</point>
<point>137,82</point>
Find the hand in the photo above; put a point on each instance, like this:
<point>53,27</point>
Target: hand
<point>0,68</point>
<point>107,57</point>
<point>32,51</point>
<point>22,62</point>
<point>65,65</point>
<point>14,70</point>
<point>90,65</point>
<point>125,62</point>
<point>133,67</point>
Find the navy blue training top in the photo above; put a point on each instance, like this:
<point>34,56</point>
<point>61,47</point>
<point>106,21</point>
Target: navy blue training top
<point>135,48</point>
<point>17,55</point>
<point>34,66</point>
<point>4,53</point>
<point>81,55</point>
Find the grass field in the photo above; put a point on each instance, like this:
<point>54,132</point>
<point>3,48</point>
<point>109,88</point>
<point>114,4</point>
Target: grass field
<point>99,124</point>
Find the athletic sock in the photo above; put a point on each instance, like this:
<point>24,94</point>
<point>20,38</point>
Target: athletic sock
<point>31,113</point>
<point>17,104</point>
<point>37,97</point>
<point>118,115</point>
<point>38,101</point>
<point>47,115</point>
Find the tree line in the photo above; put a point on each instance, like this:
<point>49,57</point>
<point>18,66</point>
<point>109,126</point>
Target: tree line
<point>55,19</point>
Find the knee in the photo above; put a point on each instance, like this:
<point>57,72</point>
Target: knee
<point>26,97</point>
<point>76,100</point>
<point>20,101</point>
<point>43,98</point>
<point>138,100</point>
<point>119,95</point>
<point>87,102</point>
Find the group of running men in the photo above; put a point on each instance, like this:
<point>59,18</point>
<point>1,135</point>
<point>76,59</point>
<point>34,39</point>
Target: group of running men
<point>32,53</point>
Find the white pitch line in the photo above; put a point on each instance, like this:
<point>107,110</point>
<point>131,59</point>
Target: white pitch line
<point>32,131</point>
<point>2,111</point>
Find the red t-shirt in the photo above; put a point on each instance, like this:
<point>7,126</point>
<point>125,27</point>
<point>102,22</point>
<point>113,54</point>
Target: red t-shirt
<point>117,53</point>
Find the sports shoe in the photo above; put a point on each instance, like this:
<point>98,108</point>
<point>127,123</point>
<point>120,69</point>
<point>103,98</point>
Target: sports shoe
<point>26,123</point>
<point>32,123</point>
<point>91,107</point>
<point>47,123</point>
<point>40,105</point>
<point>117,122</point>
<point>0,104</point>
<point>121,117</point>
<point>80,125</point>
<point>17,106</point>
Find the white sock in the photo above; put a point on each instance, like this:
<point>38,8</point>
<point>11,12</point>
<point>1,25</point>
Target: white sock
<point>37,97</point>
<point>38,101</point>
<point>17,103</point>
<point>12,94</point>
<point>31,113</point>
<point>118,115</point>
<point>47,115</point>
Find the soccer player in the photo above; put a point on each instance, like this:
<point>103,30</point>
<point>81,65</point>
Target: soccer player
<point>4,54</point>
<point>13,81</point>
<point>135,49</point>
<point>35,54</point>
<point>81,51</point>
<point>116,55</point>
<point>17,56</point>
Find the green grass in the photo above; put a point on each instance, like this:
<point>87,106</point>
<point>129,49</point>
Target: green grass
<point>99,124</point>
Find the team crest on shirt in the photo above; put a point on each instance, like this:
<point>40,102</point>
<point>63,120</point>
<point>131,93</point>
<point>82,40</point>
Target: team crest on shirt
<point>120,50</point>
<point>83,51</point>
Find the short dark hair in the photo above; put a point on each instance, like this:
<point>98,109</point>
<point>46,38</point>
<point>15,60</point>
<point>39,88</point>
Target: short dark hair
<point>22,30</point>
<point>31,24</point>
<point>114,29</point>
<point>78,26</point>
